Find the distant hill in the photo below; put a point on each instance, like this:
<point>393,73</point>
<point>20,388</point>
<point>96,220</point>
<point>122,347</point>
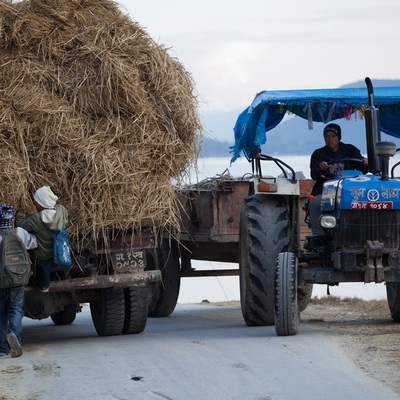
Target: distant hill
<point>215,148</point>
<point>291,136</point>
<point>376,83</point>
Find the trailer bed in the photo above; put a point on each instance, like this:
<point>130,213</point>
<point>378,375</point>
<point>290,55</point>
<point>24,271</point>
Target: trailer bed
<point>210,219</point>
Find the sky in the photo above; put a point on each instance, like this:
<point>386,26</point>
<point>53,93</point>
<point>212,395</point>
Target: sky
<point>235,49</point>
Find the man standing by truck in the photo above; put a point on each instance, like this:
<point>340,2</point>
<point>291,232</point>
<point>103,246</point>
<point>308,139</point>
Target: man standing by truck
<point>12,298</point>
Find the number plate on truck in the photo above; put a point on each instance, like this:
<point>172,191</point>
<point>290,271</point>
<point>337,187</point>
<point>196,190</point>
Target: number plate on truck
<point>125,261</point>
<point>366,205</point>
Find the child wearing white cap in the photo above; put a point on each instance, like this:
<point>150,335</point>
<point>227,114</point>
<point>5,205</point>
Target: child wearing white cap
<point>49,215</point>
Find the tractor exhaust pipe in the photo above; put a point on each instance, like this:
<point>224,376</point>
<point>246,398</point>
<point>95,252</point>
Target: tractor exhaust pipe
<point>373,132</point>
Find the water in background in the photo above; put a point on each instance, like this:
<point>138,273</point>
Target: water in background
<point>226,288</point>
<point>208,167</point>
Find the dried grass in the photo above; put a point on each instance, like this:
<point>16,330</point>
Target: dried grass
<point>93,107</point>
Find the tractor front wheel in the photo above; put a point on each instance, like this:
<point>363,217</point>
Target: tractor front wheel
<point>287,312</point>
<point>393,299</point>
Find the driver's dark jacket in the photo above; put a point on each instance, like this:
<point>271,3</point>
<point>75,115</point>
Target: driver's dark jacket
<point>324,154</point>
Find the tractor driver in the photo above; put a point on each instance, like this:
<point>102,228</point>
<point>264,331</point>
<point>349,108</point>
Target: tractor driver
<point>323,167</point>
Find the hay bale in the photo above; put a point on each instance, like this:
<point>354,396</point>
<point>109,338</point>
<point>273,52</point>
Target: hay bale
<point>93,107</point>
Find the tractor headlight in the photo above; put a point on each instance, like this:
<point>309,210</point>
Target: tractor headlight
<point>328,221</point>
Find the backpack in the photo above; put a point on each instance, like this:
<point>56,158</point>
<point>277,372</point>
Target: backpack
<point>15,264</point>
<point>62,250</point>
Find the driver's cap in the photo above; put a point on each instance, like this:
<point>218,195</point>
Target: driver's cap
<point>335,128</point>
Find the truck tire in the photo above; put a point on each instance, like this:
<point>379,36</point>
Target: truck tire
<point>108,313</point>
<point>264,233</point>
<point>136,308</point>
<point>304,297</point>
<point>64,317</point>
<point>164,294</point>
<point>287,313</point>
<point>393,299</point>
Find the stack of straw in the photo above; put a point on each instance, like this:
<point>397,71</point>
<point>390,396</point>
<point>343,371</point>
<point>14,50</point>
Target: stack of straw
<point>91,106</point>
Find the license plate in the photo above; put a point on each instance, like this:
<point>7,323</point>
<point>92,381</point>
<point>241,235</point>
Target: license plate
<point>366,205</point>
<point>125,261</point>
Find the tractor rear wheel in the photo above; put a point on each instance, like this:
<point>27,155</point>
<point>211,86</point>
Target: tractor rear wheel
<point>287,312</point>
<point>264,233</point>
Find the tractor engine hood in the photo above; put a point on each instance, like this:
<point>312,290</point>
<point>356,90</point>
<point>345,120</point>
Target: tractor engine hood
<point>363,192</point>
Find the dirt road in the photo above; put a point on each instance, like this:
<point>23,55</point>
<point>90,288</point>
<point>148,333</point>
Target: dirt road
<point>206,351</point>
<point>366,331</point>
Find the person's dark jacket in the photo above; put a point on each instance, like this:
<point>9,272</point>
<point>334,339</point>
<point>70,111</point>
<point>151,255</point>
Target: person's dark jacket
<point>324,154</point>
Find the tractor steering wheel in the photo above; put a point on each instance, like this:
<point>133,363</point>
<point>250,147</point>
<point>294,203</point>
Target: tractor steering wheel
<point>346,160</point>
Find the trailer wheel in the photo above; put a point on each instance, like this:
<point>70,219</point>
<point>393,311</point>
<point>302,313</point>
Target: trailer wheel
<point>164,294</point>
<point>287,313</point>
<point>64,317</point>
<point>108,313</point>
<point>264,233</point>
<point>136,309</point>
<point>393,299</point>
<point>304,296</point>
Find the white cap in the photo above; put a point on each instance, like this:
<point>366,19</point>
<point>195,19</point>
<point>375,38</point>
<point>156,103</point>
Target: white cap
<point>45,197</point>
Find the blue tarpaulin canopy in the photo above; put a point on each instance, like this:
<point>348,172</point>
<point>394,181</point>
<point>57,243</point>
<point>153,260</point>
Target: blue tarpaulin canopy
<point>320,105</point>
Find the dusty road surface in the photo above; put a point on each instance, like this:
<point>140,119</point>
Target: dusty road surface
<point>365,332</point>
<point>344,350</point>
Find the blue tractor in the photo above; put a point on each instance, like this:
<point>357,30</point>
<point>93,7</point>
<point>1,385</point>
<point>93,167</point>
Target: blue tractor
<point>360,213</point>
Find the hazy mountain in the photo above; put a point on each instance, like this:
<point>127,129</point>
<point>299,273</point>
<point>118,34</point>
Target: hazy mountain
<point>215,148</point>
<point>291,136</point>
<point>375,82</point>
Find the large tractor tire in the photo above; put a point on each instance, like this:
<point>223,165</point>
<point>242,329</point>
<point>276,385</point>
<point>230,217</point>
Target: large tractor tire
<point>393,299</point>
<point>64,317</point>
<point>287,312</point>
<point>136,309</point>
<point>264,233</point>
<point>163,295</point>
<point>108,312</point>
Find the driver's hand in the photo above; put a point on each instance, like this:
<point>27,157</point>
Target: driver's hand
<point>323,165</point>
<point>365,161</point>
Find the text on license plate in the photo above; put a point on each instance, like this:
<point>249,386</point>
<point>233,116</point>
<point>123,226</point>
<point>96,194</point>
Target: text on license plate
<point>367,205</point>
<point>126,261</point>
